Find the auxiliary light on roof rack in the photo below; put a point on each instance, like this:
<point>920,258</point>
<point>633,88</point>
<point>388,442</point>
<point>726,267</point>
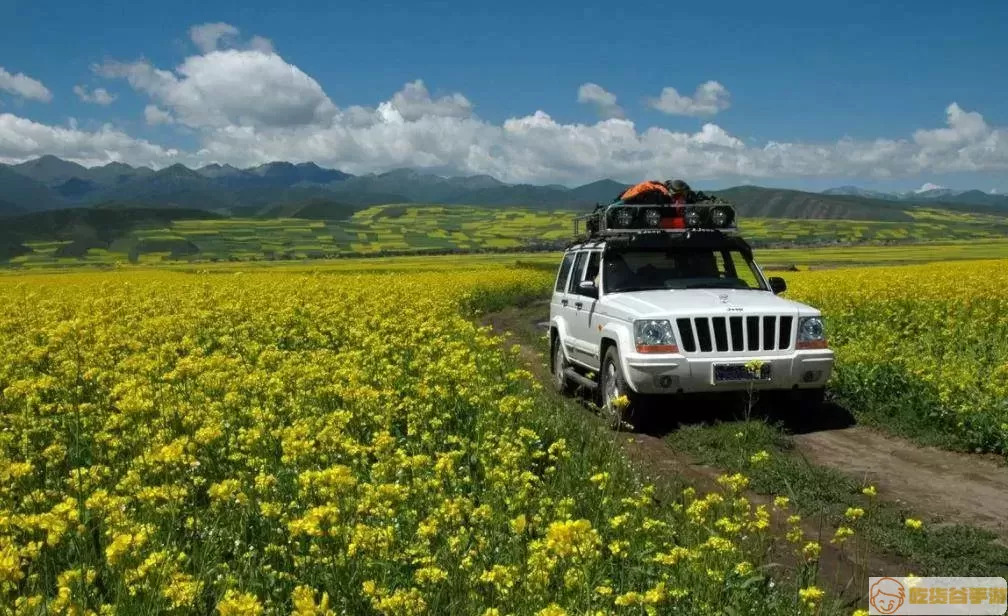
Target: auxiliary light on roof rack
<point>620,218</point>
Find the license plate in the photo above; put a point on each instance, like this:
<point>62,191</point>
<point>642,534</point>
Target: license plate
<point>739,372</point>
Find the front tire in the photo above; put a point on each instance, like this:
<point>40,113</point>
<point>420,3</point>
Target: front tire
<point>617,400</point>
<point>801,407</point>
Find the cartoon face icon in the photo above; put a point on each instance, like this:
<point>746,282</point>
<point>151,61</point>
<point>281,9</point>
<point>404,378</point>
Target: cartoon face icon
<point>887,595</point>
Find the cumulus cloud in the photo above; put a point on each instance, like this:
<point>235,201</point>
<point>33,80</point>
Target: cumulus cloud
<point>709,98</point>
<point>207,36</point>
<point>24,86</point>
<point>414,102</point>
<point>229,87</point>
<point>247,106</point>
<point>21,139</point>
<point>212,36</point>
<point>154,115</point>
<point>604,102</point>
<point>98,96</point>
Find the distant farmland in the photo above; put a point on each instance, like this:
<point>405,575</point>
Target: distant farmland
<point>399,229</point>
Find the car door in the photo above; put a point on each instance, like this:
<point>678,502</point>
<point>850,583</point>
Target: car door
<point>569,312</point>
<point>559,301</point>
<point>583,303</point>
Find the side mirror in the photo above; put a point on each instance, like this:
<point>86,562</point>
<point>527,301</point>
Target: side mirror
<point>588,286</point>
<point>777,285</point>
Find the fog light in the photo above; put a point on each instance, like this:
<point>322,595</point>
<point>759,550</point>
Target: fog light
<point>667,380</point>
<point>811,376</point>
<point>692,217</point>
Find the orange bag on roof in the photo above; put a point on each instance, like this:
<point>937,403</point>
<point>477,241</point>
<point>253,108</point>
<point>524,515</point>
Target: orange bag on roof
<point>649,191</point>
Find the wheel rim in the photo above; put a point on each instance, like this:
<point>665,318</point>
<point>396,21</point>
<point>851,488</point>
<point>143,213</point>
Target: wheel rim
<point>611,390</point>
<point>558,366</point>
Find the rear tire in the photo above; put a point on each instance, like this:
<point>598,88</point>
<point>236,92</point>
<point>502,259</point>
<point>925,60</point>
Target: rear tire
<point>559,364</point>
<point>613,387</point>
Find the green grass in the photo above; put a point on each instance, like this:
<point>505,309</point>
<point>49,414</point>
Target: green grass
<point>936,549</point>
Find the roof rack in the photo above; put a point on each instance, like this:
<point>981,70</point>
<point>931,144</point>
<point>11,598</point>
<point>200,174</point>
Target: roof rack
<point>621,219</point>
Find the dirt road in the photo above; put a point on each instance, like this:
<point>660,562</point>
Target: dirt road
<point>959,488</point>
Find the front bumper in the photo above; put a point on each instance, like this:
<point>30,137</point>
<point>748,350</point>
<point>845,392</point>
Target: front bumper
<point>676,373</point>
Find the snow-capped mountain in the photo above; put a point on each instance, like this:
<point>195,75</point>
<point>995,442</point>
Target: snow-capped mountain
<point>928,192</point>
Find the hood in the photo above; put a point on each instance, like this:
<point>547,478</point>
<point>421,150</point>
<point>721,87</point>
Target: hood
<point>704,302</point>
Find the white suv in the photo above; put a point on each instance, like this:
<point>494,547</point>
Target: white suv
<point>678,311</point>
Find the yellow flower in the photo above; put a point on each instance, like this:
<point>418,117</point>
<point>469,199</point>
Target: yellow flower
<point>239,604</point>
<point>781,502</point>
<point>811,595</point>
<point>519,524</point>
<point>759,457</point>
<point>735,483</point>
<point>854,513</point>
<point>812,550</point>
<point>567,538</point>
<point>913,524</point>
<point>841,535</point>
<point>869,491</point>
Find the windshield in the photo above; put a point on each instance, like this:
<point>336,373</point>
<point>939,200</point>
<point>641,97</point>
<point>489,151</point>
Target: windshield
<point>679,268</point>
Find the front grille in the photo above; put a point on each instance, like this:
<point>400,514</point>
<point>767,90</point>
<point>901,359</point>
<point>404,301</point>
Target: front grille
<point>721,334</point>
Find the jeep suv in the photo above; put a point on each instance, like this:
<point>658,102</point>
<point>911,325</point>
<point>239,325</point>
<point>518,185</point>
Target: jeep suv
<point>678,309</point>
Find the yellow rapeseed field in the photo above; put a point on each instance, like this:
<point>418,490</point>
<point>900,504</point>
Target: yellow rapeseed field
<point>277,443</point>
<point>922,349</point>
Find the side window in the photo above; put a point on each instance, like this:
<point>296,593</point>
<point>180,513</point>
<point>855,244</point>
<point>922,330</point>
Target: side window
<point>565,267</point>
<point>591,273</point>
<point>576,273</point>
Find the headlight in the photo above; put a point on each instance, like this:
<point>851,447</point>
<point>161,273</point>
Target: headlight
<point>654,336</point>
<point>652,217</point>
<point>692,217</point>
<point>811,333</point>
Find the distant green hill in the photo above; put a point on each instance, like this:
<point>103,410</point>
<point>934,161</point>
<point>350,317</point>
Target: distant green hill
<point>282,189</point>
<point>754,201</point>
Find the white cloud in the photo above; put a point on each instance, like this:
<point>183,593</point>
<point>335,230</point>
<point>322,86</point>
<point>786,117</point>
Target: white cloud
<point>230,87</point>
<point>248,106</point>
<point>212,36</point>
<point>154,115</point>
<point>710,98</point>
<point>207,36</point>
<point>21,139</point>
<point>928,186</point>
<point>414,102</point>
<point>24,86</point>
<point>261,43</point>
<point>604,102</point>
<point>98,96</point>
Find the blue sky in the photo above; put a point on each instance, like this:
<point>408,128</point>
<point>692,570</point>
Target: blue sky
<point>795,73</point>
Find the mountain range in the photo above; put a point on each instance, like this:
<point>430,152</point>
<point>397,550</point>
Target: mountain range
<point>285,189</point>
<point>928,193</point>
